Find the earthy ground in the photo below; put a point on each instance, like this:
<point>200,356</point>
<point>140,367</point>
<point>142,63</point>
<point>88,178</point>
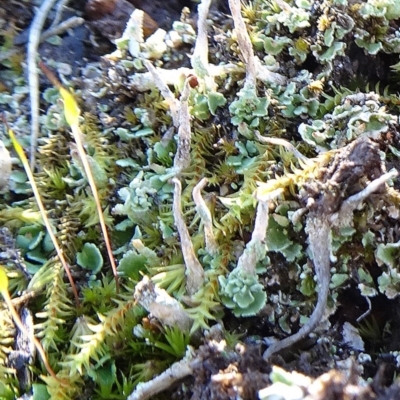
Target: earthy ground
<point>241,372</point>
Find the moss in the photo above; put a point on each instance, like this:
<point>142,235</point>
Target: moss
<point>132,128</point>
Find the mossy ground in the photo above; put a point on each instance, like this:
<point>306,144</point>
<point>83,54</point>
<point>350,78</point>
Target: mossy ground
<point>127,140</point>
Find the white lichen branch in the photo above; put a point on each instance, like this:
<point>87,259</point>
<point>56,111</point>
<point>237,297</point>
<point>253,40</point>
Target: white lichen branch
<point>200,53</point>
<point>281,142</point>
<point>158,81</point>
<point>194,270</point>
<point>182,156</point>
<point>254,68</point>
<point>174,373</point>
<point>318,229</point>
<point>161,305</point>
<point>206,218</point>
<point>244,42</point>
<point>256,249</point>
<point>33,75</point>
<point>344,215</point>
<point>199,59</point>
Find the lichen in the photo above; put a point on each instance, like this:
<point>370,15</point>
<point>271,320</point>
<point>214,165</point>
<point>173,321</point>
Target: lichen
<point>210,148</point>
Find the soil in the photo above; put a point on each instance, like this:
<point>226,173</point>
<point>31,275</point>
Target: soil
<point>239,371</point>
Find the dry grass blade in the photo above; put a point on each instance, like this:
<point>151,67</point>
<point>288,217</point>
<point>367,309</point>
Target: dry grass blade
<point>42,209</point>
<point>72,113</point>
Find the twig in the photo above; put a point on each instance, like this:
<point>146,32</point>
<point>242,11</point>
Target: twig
<point>163,381</point>
<point>206,218</point>
<point>194,270</point>
<point>70,23</point>
<point>319,236</point>
<point>59,9</point>
<point>33,75</point>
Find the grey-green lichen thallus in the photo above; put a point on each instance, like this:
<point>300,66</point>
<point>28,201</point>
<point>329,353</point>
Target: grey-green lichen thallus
<point>242,157</point>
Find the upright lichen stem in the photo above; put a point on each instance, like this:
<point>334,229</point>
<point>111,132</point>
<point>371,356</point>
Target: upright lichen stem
<point>199,58</point>
<point>244,42</point>
<point>256,249</point>
<point>254,68</point>
<point>182,155</point>
<point>194,270</point>
<point>206,218</point>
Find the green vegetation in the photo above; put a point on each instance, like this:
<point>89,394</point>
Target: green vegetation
<point>123,202</point>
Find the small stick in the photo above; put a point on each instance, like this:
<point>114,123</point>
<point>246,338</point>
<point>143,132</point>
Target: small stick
<point>175,372</point>
<point>319,236</point>
<point>33,75</point>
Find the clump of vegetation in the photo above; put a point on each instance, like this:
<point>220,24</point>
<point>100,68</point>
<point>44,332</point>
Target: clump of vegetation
<point>241,185</point>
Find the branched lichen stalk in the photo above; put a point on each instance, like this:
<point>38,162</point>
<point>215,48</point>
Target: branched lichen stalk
<point>194,270</point>
<point>165,91</point>
<point>319,236</point>
<point>256,249</point>
<point>206,218</point>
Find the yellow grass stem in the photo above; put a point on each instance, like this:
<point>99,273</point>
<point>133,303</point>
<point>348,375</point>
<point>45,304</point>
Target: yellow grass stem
<point>72,112</point>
